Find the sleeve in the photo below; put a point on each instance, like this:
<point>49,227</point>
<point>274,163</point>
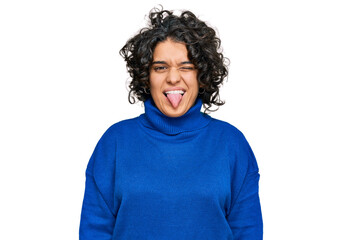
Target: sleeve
<point>244,217</point>
<point>98,214</point>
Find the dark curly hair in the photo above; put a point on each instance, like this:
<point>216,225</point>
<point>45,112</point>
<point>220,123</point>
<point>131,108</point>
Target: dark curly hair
<point>203,47</point>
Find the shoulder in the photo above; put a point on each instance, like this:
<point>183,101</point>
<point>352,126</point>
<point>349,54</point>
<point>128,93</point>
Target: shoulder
<point>120,128</point>
<point>114,133</point>
<point>236,143</point>
<point>104,153</point>
<point>227,130</point>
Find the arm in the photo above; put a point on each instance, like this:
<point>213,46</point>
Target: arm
<point>98,212</point>
<point>97,220</point>
<point>244,216</point>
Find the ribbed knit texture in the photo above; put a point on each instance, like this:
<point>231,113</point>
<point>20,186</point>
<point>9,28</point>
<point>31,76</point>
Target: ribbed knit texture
<point>190,121</point>
<point>157,177</point>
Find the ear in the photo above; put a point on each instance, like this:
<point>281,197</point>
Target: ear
<point>201,85</point>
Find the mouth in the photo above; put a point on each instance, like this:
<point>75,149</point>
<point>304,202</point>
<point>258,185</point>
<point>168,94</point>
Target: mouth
<point>174,97</point>
<point>174,92</point>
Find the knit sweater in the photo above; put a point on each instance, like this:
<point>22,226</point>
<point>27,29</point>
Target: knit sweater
<point>156,177</point>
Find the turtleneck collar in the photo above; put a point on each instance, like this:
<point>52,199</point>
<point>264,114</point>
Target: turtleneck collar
<point>193,119</point>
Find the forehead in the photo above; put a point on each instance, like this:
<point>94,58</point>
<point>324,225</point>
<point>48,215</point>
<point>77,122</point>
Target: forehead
<point>170,51</point>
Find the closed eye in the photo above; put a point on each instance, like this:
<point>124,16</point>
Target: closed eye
<point>187,68</point>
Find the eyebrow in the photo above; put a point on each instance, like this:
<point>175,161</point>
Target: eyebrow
<point>159,62</point>
<point>163,62</point>
<point>186,62</point>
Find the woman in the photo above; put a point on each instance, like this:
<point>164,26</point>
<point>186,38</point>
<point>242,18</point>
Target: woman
<point>173,172</point>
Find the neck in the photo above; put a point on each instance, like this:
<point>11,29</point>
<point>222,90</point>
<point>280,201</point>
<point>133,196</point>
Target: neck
<point>192,120</point>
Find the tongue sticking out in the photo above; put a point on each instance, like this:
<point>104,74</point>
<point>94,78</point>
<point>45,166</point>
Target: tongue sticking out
<point>174,98</point>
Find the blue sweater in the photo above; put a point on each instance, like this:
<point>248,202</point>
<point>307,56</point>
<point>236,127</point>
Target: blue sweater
<point>157,177</point>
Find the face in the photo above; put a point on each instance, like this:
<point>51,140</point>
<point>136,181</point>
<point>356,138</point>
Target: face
<point>173,79</point>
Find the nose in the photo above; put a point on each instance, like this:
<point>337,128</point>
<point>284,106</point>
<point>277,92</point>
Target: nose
<point>174,76</point>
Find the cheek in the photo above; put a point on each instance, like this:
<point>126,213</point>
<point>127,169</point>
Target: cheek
<point>191,80</point>
<point>154,82</point>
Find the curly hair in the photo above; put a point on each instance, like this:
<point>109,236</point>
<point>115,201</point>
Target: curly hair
<point>203,48</point>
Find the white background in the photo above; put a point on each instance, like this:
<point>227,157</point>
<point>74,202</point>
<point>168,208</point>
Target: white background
<point>294,90</point>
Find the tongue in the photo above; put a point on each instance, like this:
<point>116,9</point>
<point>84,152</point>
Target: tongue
<point>175,99</point>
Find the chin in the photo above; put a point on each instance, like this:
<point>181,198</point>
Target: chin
<point>171,112</point>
